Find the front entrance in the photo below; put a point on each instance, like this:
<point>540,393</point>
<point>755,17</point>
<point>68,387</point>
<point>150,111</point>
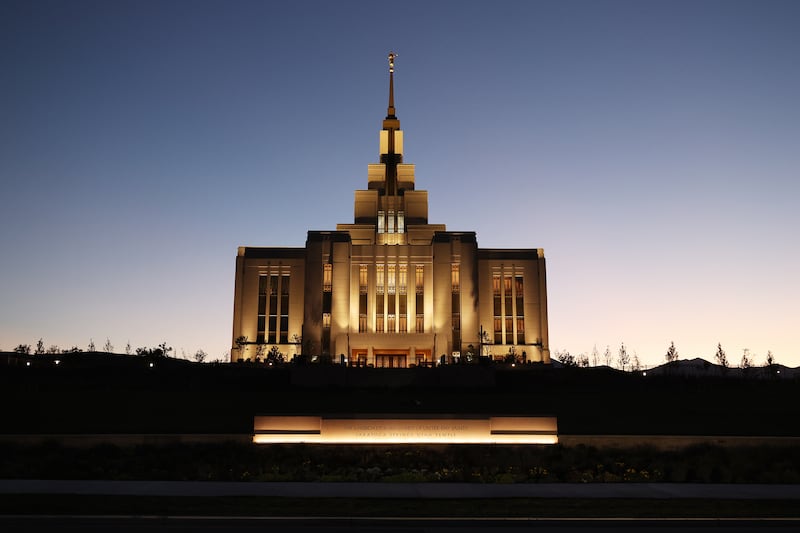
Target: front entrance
<point>391,360</point>
<point>423,358</point>
<point>359,358</point>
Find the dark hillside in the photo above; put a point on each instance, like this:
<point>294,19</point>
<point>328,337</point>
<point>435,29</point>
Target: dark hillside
<point>103,393</point>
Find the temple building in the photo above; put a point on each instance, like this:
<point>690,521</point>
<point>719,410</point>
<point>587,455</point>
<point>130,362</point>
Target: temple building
<point>390,289</point>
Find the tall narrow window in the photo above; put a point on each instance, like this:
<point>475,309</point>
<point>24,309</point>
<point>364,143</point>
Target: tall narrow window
<point>362,298</point>
<point>263,284</point>
<point>519,290</point>
<point>381,221</point>
<point>327,304</point>
<point>380,307</point>
<point>498,309</point>
<point>326,333</point>
<point>455,279</point>
<point>402,325</point>
<point>284,331</point>
<point>273,308</point>
<point>419,277</point>
<point>401,222</point>
<point>392,279</point>
<point>391,309</point>
<point>402,278</point>
<point>508,310</point>
<point>390,222</point>
<point>327,277</point>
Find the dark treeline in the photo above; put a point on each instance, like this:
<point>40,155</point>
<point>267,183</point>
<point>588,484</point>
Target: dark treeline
<point>98,393</point>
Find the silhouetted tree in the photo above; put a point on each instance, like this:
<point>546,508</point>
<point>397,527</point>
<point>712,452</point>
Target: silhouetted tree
<point>39,348</point>
<point>770,358</point>
<point>583,360</point>
<point>607,355</point>
<point>163,350</point>
<point>747,360</point>
<point>260,351</point>
<point>23,349</point>
<point>241,345</point>
<point>274,356</point>
<point>672,353</point>
<point>128,348</point>
<point>623,356</point>
<point>566,358</point>
<point>53,349</point>
<point>636,365</point>
<point>91,346</point>
<point>720,356</point>
<point>595,356</point>
<point>108,347</point>
<point>200,356</point>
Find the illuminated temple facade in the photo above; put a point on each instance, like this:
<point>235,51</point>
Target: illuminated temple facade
<point>390,289</point>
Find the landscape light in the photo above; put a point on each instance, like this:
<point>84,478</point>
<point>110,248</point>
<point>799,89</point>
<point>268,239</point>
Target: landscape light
<point>151,365</point>
<point>58,362</point>
<point>27,363</point>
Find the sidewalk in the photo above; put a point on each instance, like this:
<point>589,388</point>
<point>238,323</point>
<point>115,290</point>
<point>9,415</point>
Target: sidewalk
<point>405,490</point>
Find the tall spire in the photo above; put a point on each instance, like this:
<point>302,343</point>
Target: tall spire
<point>390,111</point>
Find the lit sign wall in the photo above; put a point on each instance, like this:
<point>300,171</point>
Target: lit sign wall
<point>406,430</point>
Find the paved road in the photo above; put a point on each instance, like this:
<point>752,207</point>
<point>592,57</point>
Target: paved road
<point>239,525</point>
<point>405,490</point>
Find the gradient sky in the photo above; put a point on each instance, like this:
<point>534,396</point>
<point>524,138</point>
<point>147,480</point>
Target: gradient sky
<point>650,147</point>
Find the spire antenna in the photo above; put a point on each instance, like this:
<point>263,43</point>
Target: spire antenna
<point>390,112</point>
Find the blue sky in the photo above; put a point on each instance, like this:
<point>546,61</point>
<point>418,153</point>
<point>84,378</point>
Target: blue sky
<point>650,147</point>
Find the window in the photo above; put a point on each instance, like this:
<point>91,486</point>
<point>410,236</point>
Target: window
<point>274,281</point>
<point>380,302</point>
<point>381,218</point>
<point>498,309</point>
<point>263,284</point>
<point>455,280</point>
<point>419,283</point>
<point>508,311</point>
<point>401,222</point>
<point>379,278</point>
<point>362,298</point>
<point>391,222</point>
<point>403,281</point>
<point>327,277</point>
<point>392,279</point>
<point>520,303</point>
<point>284,332</point>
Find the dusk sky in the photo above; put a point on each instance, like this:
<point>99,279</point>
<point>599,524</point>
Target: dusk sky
<point>651,148</point>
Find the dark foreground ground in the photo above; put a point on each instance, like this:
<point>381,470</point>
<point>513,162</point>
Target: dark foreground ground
<point>127,524</point>
<point>100,393</point>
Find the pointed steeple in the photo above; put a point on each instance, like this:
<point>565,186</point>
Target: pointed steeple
<point>390,111</point>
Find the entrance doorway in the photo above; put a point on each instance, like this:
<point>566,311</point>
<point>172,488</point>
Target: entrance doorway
<point>358,358</point>
<point>391,360</point>
<point>423,358</point>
